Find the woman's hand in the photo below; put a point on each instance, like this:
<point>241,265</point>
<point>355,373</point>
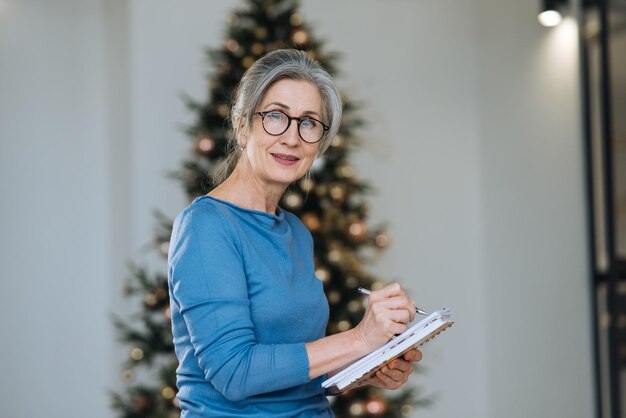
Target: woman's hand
<point>388,311</point>
<point>395,373</point>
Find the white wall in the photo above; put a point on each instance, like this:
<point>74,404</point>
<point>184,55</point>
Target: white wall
<point>535,258</point>
<point>54,179</point>
<point>474,149</point>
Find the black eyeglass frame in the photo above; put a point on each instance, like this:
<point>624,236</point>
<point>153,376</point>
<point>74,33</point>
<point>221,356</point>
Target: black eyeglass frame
<point>289,119</point>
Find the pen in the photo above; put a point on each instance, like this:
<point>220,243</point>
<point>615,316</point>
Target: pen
<point>364,291</point>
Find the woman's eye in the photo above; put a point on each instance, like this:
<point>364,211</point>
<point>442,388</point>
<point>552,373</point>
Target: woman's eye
<point>308,123</point>
<point>275,115</point>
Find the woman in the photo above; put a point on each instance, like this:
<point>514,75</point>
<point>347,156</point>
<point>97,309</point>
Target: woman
<point>248,314</point>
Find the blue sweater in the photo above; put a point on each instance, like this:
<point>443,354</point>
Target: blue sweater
<point>244,301</point>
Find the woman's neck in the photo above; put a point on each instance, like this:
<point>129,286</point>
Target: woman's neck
<point>246,191</point>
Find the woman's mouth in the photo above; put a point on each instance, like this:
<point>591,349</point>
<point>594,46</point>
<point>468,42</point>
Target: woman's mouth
<point>285,159</point>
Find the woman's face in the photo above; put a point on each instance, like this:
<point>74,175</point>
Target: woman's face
<point>285,158</point>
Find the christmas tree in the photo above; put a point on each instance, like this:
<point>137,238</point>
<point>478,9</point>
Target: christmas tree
<point>330,202</point>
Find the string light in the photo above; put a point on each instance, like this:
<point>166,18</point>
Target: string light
<point>168,392</point>
<point>300,37</point>
<point>136,353</point>
<point>204,145</point>
<point>150,299</point>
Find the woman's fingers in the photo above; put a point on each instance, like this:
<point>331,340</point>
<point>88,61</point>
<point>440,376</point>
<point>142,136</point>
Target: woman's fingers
<point>400,364</point>
<point>389,299</point>
<point>413,355</point>
<point>394,304</point>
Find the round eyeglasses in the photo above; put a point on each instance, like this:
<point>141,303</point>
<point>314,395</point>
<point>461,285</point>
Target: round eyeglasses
<point>276,122</point>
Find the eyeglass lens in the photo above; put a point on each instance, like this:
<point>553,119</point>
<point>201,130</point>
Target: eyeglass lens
<point>276,123</point>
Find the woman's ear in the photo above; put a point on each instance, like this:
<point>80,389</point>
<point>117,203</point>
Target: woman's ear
<point>242,132</point>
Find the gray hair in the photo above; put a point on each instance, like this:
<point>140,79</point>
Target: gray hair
<point>276,65</point>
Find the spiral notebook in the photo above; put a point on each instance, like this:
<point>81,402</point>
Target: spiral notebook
<point>417,335</point>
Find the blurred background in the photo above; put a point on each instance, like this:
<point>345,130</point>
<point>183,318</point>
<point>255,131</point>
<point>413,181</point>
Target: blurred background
<point>481,126</point>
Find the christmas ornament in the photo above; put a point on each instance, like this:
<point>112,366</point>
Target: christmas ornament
<point>337,141</point>
<point>247,62</point>
<point>358,229</point>
<point>334,297</point>
<point>338,192</point>
<point>311,221</point>
<point>150,299</point>
<point>136,353</point>
<point>141,402</point>
<point>295,19</point>
<point>257,49</point>
<point>293,200</point>
<point>168,392</point>
<point>343,325</point>
<point>356,409</point>
<point>307,184</point>
<point>345,171</point>
<point>322,274</point>
<point>260,32</point>
<point>300,37</point>
<point>223,110</point>
<point>381,240</point>
<point>231,45</point>
<point>375,406</point>
<point>204,145</point>
<point>164,247</point>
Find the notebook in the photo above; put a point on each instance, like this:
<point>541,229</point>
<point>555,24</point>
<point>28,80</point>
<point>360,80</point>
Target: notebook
<point>417,335</point>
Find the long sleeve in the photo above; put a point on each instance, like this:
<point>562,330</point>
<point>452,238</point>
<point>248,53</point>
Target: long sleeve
<point>209,289</point>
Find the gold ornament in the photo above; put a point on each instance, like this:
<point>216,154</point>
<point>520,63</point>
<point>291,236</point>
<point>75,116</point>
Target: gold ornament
<point>260,32</point>
<point>377,285</point>
<point>150,299</point>
<point>257,49</point>
<point>375,406</point>
<point>300,37</point>
<point>160,293</point>
<point>223,110</point>
<point>233,20</point>
<point>355,306</point>
<point>357,409</point>
<point>406,410</point>
<point>225,67</point>
<point>295,19</point>
<point>334,297</point>
<point>127,375</point>
<point>337,141</point>
<point>307,184</point>
<point>311,221</point>
<point>247,62</point>
<point>322,274</point>
<point>345,171</point>
<point>231,45</point>
<point>337,192</point>
<point>358,229</point>
<point>334,256</point>
<point>164,247</point>
<point>136,353</point>
<point>293,200</point>
<point>321,190</point>
<point>352,282</point>
<point>381,240</point>
<point>140,402</point>
<point>343,325</point>
<point>168,392</point>
<point>204,144</point>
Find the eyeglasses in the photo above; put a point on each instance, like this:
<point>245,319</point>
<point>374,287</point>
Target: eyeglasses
<point>276,122</point>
